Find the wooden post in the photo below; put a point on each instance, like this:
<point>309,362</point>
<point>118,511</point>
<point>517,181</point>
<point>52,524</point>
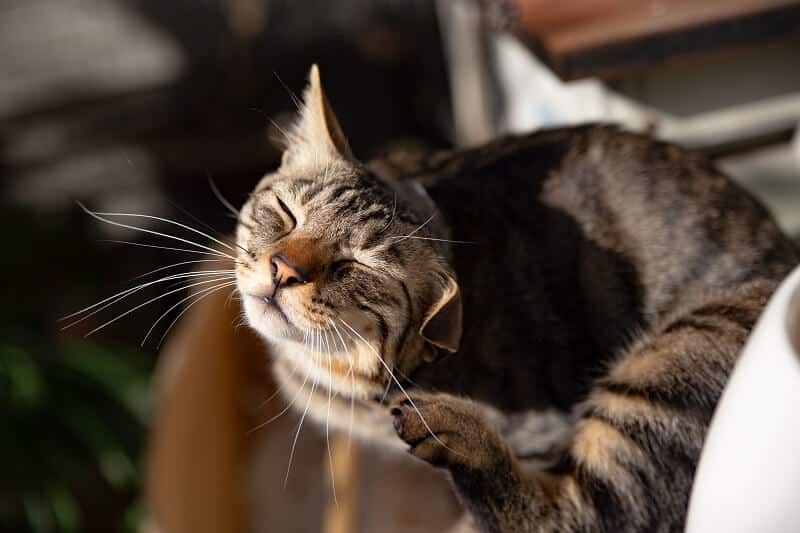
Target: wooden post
<point>341,514</point>
<point>194,459</point>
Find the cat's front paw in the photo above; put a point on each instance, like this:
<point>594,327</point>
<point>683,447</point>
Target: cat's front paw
<point>446,431</point>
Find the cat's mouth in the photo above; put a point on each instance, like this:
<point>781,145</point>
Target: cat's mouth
<point>266,314</point>
<point>332,357</point>
<point>268,305</point>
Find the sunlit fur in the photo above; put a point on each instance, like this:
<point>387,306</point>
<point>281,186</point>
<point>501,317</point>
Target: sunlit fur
<point>615,279</point>
<point>367,278</point>
<point>598,330</point>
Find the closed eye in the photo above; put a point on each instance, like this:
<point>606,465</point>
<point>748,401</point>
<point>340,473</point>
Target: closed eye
<point>287,211</point>
<point>340,264</point>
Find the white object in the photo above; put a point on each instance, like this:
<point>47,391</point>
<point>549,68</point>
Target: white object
<point>534,97</point>
<point>748,479</point>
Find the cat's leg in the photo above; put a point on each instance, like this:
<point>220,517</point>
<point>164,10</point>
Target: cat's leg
<point>632,457</point>
<point>452,433</point>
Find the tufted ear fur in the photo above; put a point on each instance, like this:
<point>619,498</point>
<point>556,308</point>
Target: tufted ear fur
<point>442,324</point>
<point>316,136</point>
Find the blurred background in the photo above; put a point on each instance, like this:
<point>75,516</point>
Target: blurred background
<point>135,105</point>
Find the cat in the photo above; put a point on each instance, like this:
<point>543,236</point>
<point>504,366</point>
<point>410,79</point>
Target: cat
<point>550,318</point>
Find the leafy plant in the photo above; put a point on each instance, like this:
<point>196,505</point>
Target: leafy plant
<point>73,417</point>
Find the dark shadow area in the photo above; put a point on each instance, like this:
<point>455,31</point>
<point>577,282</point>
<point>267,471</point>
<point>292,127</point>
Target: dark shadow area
<point>203,99</point>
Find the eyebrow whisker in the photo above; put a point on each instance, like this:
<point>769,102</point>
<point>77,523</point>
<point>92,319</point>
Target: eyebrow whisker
<point>100,217</point>
<point>169,248</point>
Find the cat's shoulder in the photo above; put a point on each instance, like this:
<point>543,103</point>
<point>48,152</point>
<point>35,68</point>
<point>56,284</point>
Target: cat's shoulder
<point>591,142</point>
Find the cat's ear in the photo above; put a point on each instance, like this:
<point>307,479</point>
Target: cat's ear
<point>317,134</point>
<point>442,324</point>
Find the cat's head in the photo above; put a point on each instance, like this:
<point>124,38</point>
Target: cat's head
<point>339,274</point>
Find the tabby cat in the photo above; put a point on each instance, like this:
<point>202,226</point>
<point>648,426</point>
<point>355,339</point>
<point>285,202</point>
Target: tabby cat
<point>551,317</point>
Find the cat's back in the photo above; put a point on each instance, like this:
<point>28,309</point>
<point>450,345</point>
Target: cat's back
<point>665,211</point>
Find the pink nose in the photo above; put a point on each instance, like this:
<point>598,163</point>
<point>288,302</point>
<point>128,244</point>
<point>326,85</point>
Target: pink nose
<point>285,273</point>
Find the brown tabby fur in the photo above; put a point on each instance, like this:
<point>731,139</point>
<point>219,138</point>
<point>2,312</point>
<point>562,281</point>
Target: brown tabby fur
<point>609,283</point>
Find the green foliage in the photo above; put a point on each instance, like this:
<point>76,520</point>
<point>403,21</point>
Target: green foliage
<point>73,417</point>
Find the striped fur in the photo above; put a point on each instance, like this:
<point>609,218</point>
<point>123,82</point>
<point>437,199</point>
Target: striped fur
<point>609,282</point>
<point>635,446</point>
<point>375,283</point>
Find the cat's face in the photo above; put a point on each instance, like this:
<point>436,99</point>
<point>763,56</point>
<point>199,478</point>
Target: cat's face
<point>333,275</point>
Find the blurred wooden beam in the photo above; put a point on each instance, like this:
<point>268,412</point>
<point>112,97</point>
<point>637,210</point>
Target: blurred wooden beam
<point>608,38</point>
<point>197,444</point>
<point>341,513</point>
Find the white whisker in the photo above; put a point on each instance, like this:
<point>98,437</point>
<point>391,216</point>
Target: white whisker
<point>438,240</point>
<point>211,291</point>
<point>328,418</point>
<point>168,221</point>
<point>185,250</point>
<point>168,311</point>
<point>404,237</point>
<point>386,391</point>
<point>151,232</point>
<point>212,230</point>
<point>287,139</point>
<point>295,100</point>
<point>230,297</point>
<point>351,372</point>
<point>173,265</point>
<point>224,201</point>
<point>127,292</point>
<point>402,389</point>
<point>286,408</point>
<point>299,427</point>
<point>294,371</point>
<point>126,313</point>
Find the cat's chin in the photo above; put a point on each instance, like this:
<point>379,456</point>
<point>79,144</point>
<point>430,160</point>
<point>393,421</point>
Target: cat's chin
<point>269,320</point>
<point>326,366</point>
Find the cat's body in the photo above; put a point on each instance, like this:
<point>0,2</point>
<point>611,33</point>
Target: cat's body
<point>607,287</point>
<point>579,241</point>
<point>591,244</point>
